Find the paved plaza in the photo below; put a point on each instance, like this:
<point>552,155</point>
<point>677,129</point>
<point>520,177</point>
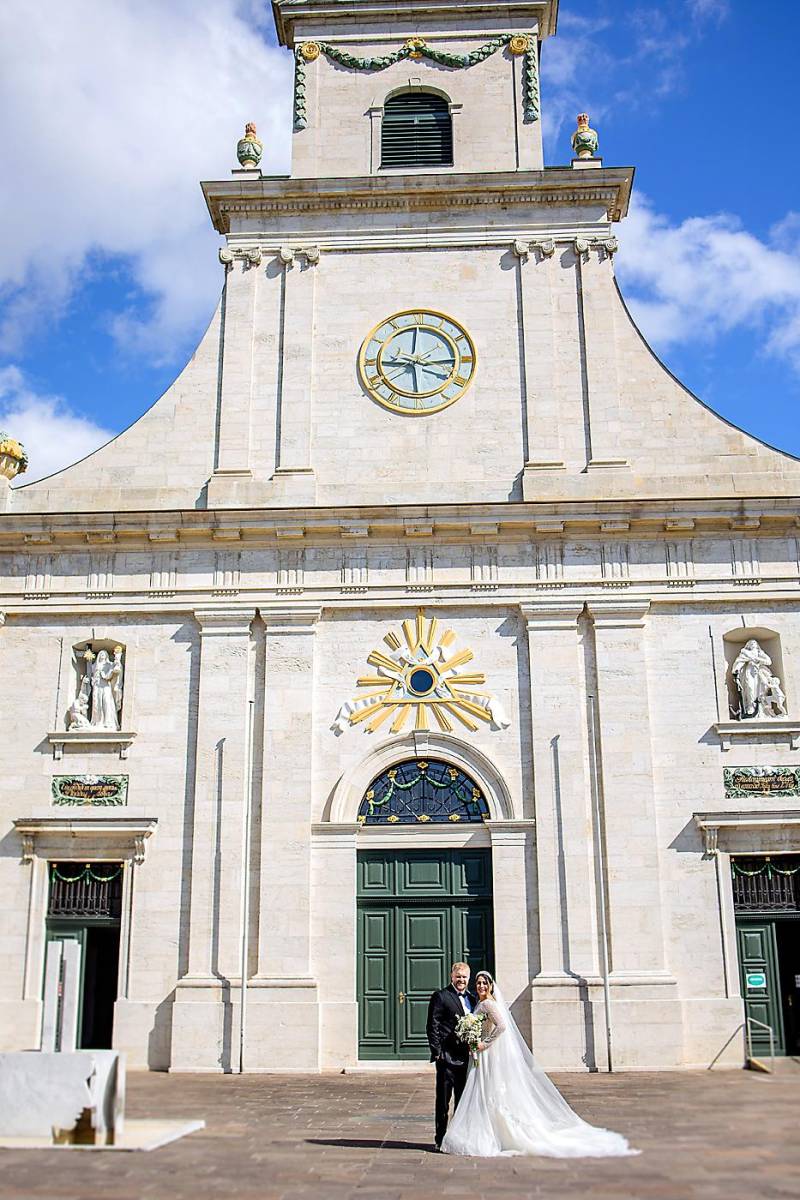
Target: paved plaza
<point>702,1134</point>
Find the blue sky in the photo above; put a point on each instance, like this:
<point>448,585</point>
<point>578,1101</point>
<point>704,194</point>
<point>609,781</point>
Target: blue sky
<point>111,111</point>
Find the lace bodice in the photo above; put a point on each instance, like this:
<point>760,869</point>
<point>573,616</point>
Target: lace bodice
<point>494,1024</point>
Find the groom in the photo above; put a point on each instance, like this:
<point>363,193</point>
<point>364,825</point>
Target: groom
<point>450,1055</point>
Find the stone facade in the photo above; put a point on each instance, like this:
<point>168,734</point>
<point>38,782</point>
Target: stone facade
<point>587,527</point>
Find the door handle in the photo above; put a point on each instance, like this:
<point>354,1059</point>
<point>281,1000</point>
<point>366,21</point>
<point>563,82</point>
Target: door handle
<point>401,997</point>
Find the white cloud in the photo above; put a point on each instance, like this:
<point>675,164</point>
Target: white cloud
<point>53,435</point>
<point>640,64</point>
<point>707,277</point>
<point>715,11</point>
<point>109,115</point>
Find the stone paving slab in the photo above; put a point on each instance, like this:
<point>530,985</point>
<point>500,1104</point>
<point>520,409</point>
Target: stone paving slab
<point>703,1136</point>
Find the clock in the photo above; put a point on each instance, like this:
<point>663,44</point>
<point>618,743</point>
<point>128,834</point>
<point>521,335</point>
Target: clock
<point>417,361</point>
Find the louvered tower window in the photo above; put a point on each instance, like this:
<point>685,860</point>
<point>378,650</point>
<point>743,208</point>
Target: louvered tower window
<point>417,131</point>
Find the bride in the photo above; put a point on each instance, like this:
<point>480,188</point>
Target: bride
<point>509,1106</point>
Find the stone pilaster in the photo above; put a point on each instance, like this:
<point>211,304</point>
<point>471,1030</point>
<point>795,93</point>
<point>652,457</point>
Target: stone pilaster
<point>202,1017</point>
<point>333,941</point>
<point>514,906</point>
<point>537,266</point>
<point>233,463</point>
<point>284,976</point>
<point>595,277</point>
<point>568,948</point>
<point>643,991</point>
<point>568,936</point>
<point>293,480</point>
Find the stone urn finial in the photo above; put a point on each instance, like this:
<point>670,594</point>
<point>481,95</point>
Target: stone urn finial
<point>249,148</point>
<point>13,459</point>
<point>584,139</point>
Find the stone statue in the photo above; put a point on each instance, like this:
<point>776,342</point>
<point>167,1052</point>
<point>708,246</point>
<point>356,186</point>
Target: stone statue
<point>78,711</point>
<point>99,699</point>
<point>760,691</point>
<point>106,684</point>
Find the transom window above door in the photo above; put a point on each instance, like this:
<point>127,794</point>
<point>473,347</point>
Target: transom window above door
<point>422,790</point>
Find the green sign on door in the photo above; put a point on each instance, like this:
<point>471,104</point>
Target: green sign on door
<point>418,911</point>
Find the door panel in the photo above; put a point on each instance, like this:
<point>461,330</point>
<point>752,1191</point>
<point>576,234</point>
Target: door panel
<point>423,948</point>
<point>472,936</point>
<point>758,968</point>
<point>375,983</point>
<point>438,909</point>
<point>472,873</point>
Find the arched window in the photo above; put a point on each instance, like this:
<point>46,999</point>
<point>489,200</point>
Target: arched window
<point>422,790</point>
<point>417,131</point>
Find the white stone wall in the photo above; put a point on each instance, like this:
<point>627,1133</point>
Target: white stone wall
<point>671,1006</point>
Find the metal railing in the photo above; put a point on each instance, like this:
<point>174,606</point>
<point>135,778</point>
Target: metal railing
<point>749,1021</point>
<point>745,1025</point>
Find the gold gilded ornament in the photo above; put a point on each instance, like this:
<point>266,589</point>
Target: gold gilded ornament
<point>519,44</point>
<point>415,46</point>
<point>310,51</point>
<point>421,677</point>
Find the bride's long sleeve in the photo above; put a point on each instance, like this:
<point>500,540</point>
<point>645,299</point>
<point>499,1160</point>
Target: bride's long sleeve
<point>498,1022</point>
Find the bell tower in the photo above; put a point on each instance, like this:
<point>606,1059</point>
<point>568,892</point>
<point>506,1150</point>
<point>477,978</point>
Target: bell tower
<point>433,86</point>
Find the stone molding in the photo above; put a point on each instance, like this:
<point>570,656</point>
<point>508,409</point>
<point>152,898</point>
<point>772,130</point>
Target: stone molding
<point>618,614</point>
<point>255,526</point>
<point>551,614</point>
<point>259,198</point>
<point>350,789</point>
<point>131,834</point>
<point>233,621</point>
<point>712,824</point>
<point>773,729</point>
<point>290,618</point>
<point>118,739</point>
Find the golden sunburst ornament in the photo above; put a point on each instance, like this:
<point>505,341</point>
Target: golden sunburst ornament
<point>420,679</point>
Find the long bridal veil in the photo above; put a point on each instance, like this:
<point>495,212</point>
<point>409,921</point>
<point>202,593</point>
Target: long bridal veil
<point>509,1106</point>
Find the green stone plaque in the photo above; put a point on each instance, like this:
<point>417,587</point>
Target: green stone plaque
<point>761,781</point>
<point>97,790</point>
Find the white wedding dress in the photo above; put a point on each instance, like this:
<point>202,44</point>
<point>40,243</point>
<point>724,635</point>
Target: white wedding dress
<point>509,1106</point>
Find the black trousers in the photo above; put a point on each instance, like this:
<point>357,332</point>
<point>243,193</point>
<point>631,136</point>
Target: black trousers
<point>450,1080</point>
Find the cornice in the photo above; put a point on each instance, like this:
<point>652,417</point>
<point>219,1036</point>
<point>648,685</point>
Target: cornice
<point>382,14</point>
<point>266,197</point>
<point>48,532</point>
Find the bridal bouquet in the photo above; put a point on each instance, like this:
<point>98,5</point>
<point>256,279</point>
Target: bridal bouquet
<point>468,1029</point>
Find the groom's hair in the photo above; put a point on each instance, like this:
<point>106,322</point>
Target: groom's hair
<point>455,966</point>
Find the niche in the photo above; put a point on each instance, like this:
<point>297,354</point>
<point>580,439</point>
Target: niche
<point>734,642</point>
<point>99,682</point>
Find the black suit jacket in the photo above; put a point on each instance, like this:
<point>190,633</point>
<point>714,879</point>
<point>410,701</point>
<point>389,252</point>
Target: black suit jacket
<point>443,1012</point>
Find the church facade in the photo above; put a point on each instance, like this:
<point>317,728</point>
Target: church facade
<point>426,616</point>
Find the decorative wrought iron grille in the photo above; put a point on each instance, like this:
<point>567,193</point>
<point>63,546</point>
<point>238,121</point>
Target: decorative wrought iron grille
<point>85,890</point>
<point>766,884</point>
<point>422,790</point>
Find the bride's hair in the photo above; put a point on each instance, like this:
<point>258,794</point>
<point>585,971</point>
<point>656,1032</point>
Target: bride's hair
<point>485,975</point>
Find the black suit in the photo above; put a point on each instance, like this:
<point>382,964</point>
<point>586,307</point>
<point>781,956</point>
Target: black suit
<point>450,1055</point>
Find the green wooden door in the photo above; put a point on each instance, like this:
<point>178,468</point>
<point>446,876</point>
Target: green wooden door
<point>758,967</point>
<point>418,911</point>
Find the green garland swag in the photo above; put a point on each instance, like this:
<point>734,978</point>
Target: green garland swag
<point>769,869</point>
<point>469,802</point>
<point>88,872</point>
<point>416,48</point>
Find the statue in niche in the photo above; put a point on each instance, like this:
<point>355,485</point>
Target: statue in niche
<point>99,699</point>
<point>78,711</point>
<point>760,691</point>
